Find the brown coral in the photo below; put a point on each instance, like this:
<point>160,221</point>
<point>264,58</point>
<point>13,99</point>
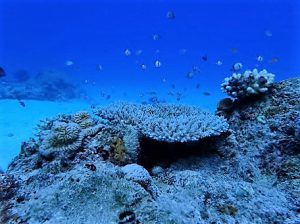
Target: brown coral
<point>118,150</point>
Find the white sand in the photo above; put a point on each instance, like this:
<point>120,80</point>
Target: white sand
<point>17,123</point>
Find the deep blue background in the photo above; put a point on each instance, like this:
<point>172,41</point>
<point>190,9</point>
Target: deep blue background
<point>38,35</point>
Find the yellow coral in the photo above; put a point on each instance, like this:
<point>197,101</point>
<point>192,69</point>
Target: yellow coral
<point>118,148</point>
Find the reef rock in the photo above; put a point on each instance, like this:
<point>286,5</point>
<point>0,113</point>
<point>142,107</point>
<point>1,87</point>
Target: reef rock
<point>252,176</point>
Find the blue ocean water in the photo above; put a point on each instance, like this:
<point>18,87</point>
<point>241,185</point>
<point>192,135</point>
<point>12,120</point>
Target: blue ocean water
<point>39,35</point>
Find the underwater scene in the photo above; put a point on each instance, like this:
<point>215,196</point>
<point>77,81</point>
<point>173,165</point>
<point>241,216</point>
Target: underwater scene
<point>150,111</point>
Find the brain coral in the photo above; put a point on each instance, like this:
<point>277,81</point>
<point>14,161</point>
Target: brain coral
<point>165,122</point>
<point>63,136</point>
<point>250,83</point>
<point>83,119</point>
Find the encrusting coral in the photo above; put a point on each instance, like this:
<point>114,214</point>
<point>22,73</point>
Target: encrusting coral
<point>165,122</point>
<point>118,149</point>
<point>250,83</point>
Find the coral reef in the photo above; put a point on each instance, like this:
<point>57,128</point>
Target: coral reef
<point>248,84</point>
<point>297,128</point>
<point>166,122</point>
<point>252,176</point>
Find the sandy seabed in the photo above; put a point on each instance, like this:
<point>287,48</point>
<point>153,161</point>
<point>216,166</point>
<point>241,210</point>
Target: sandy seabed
<point>17,123</point>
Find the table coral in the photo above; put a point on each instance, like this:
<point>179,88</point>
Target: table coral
<point>166,122</point>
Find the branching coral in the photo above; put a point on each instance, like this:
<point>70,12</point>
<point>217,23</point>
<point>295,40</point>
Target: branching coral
<point>166,122</point>
<point>250,83</point>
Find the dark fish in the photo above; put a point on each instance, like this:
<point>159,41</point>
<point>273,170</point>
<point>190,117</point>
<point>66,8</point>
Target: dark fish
<point>190,75</point>
<point>93,106</point>
<point>173,86</point>
<point>206,93</point>
<point>21,103</point>
<point>152,93</point>
<point>204,58</point>
<point>98,68</point>
<point>153,99</point>
<point>197,86</point>
<point>234,50</point>
<point>171,15</point>
<point>108,97</point>
<point>2,72</point>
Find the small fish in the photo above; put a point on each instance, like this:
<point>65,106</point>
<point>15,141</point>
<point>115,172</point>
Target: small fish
<point>127,52</point>
<point>2,72</point>
<point>86,81</point>
<point>198,86</point>
<point>10,135</point>
<point>274,60</point>
<point>164,80</point>
<point>268,33</point>
<point>204,58</point>
<point>173,86</point>
<point>234,50</point>
<point>182,51</point>
<point>190,75</point>
<point>157,51</point>
<point>21,103</point>
<point>237,66</point>
<point>206,93</point>
<point>171,15</point>
<point>153,99</point>
<point>143,66</point>
<point>156,36</point>
<point>259,58</point>
<point>152,93</point>
<point>99,68</point>
<point>196,69</point>
<point>219,63</point>
<point>108,97</point>
<point>138,52</point>
<point>69,63</point>
<point>157,64</point>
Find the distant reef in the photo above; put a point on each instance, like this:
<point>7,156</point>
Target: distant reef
<point>130,163</point>
<point>47,85</point>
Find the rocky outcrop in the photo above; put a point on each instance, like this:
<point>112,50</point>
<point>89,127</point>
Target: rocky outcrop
<point>251,176</point>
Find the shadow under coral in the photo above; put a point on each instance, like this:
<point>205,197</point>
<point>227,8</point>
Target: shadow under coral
<point>153,153</point>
